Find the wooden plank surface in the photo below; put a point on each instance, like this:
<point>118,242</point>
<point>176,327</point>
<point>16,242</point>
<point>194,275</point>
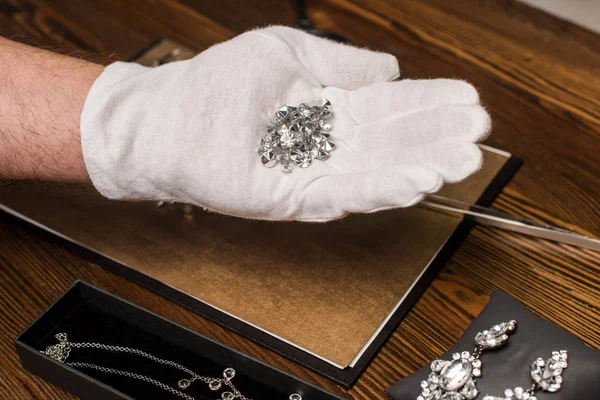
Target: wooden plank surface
<point>538,76</point>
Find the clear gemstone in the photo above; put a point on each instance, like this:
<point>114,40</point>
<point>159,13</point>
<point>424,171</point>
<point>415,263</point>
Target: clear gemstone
<point>288,139</point>
<point>300,155</point>
<point>282,113</point>
<point>229,373</point>
<point>323,155</point>
<point>286,166</point>
<point>269,159</point>
<point>227,396</point>
<point>184,383</point>
<point>455,375</point>
<point>469,391</point>
<point>496,336</point>
<point>295,396</point>
<point>519,392</point>
<point>452,396</point>
<point>437,365</point>
<point>271,129</point>
<point>327,146</point>
<point>294,130</point>
<point>214,385</point>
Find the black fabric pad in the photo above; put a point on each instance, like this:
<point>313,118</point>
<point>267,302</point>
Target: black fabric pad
<point>508,366</point>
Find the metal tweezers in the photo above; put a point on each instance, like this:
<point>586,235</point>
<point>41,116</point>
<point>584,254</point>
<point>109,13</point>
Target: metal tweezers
<point>499,219</point>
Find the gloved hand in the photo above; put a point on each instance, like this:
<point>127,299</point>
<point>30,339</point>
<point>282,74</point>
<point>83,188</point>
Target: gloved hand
<point>189,131</point>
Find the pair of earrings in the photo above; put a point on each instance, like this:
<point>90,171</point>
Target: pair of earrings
<point>455,379</point>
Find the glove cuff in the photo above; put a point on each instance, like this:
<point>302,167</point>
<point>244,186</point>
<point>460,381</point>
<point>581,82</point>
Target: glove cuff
<point>96,141</point>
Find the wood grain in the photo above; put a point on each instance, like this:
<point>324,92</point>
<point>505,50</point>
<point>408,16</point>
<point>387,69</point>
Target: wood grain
<point>539,78</point>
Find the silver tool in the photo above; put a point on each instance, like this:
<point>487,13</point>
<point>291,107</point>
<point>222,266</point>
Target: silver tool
<point>502,220</point>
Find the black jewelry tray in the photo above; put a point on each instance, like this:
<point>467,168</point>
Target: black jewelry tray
<point>88,314</point>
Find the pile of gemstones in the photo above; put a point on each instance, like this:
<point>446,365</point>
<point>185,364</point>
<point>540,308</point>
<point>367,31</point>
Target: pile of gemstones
<point>297,136</point>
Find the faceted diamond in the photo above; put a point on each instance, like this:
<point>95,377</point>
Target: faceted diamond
<point>433,380</point>
<point>327,146</point>
<point>271,129</point>
<point>285,166</point>
<point>547,374</point>
<point>304,109</point>
<point>295,396</point>
<point>229,373</point>
<point>452,396</point>
<point>287,138</point>
<point>214,385</point>
<point>519,392</point>
<point>325,126</point>
<point>269,159</point>
<point>323,155</point>
<point>300,155</point>
<point>314,151</point>
<point>455,375</point>
<point>227,396</point>
<point>437,365</point>
<point>496,336</point>
<point>282,113</point>
<point>184,383</point>
<point>469,391</point>
<point>295,132</point>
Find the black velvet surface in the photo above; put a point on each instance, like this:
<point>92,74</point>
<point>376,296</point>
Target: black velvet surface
<point>87,314</point>
<point>508,366</point>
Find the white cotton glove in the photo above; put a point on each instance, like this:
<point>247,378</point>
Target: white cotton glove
<point>189,131</point>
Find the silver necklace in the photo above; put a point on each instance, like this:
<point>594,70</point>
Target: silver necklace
<point>60,352</point>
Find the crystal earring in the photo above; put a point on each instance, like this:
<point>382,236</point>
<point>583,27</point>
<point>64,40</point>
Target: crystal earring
<point>546,375</point>
<point>455,379</point>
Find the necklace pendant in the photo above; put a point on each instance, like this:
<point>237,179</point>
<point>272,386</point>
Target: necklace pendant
<point>184,383</point>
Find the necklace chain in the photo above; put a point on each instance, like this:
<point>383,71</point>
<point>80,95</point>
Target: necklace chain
<point>62,350</point>
<point>131,375</point>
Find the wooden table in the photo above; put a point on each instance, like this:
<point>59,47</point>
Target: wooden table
<point>538,76</point>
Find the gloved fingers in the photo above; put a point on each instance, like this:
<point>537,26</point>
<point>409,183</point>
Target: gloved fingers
<point>380,101</point>
<point>334,64</point>
<point>453,161</point>
<point>447,124</point>
<point>333,196</point>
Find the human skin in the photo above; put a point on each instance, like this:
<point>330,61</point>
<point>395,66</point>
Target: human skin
<point>42,94</point>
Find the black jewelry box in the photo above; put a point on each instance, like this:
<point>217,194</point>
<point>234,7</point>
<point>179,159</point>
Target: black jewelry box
<point>88,314</point>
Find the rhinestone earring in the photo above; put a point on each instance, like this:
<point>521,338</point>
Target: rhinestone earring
<point>546,375</point>
<point>455,379</point>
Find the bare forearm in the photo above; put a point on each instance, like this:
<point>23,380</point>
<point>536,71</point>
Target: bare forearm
<point>41,98</point>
